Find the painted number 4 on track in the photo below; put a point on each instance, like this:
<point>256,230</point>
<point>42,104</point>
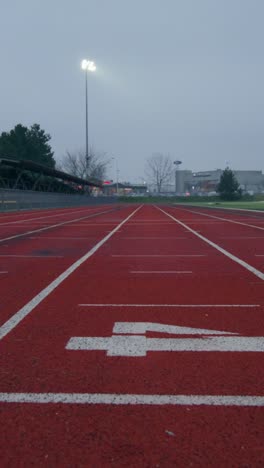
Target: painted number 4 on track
<point>129,339</point>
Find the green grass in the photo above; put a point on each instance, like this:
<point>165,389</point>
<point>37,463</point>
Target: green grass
<point>254,203</point>
<point>246,205</point>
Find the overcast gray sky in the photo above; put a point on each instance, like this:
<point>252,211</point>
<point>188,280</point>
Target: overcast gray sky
<point>183,77</point>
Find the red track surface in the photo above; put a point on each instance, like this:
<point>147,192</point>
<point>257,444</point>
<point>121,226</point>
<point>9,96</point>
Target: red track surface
<point>152,269</point>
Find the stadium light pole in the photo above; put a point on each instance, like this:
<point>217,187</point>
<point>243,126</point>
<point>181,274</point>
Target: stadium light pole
<point>87,66</point>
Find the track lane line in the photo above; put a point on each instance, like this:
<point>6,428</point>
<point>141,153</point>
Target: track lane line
<point>31,256</point>
<point>61,238</point>
<point>256,211</point>
<point>241,237</point>
<point>178,272</point>
<point>244,264</point>
<point>55,225</point>
<point>224,219</point>
<point>159,255</point>
<point>154,238</point>
<point>133,399</point>
<point>38,211</point>
<point>172,305</point>
<point>43,217</point>
<point>10,324</point>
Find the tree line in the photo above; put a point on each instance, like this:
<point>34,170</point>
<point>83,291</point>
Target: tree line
<point>33,143</point>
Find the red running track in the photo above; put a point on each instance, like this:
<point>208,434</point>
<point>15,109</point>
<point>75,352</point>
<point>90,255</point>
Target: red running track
<point>132,338</point>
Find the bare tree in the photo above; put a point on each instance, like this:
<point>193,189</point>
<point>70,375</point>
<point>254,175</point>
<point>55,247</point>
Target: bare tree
<point>159,170</point>
<point>94,167</point>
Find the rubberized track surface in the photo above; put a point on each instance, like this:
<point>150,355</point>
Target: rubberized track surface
<point>131,336</point>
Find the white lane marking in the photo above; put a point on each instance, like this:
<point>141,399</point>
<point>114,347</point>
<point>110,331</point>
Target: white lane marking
<point>154,238</point>
<point>29,225</point>
<point>110,221</point>
<point>8,326</point>
<point>199,220</point>
<point>94,224</point>
<point>171,305</point>
<point>3,272</point>
<point>256,211</point>
<point>80,224</point>
<point>139,345</point>
<point>149,224</point>
<point>33,256</point>
<point>224,219</point>
<point>133,399</point>
<point>161,255</point>
<point>89,225</point>
<point>210,223</point>
<point>141,328</point>
<point>53,226</point>
<point>241,237</point>
<point>44,217</point>
<point>61,238</point>
<point>146,221</point>
<point>162,272</point>
<point>248,267</point>
<point>15,214</point>
<point>259,255</point>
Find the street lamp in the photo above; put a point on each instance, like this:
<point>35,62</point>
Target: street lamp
<point>177,164</point>
<point>87,66</point>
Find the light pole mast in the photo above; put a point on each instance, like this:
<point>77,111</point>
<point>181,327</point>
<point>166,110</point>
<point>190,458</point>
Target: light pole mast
<point>86,120</point>
<point>87,65</point>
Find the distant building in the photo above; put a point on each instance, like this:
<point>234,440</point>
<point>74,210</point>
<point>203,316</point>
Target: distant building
<point>207,181</point>
<point>204,182</point>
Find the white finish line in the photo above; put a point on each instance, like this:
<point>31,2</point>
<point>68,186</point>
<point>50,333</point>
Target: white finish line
<point>132,399</point>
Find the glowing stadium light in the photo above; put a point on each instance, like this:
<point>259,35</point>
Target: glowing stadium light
<point>88,65</point>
